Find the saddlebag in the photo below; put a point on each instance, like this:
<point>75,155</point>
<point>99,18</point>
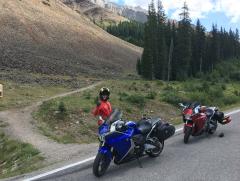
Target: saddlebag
<point>165,130</point>
<point>219,116</point>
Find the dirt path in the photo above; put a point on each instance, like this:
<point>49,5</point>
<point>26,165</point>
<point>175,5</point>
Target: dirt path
<point>21,127</point>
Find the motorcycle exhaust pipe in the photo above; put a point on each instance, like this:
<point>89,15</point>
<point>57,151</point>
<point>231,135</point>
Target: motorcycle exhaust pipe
<point>149,146</point>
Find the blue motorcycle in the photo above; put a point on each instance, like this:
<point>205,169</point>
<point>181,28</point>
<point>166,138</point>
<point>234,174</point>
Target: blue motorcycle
<point>123,141</point>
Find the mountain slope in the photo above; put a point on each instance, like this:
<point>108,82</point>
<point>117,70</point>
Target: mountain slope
<point>46,36</point>
<point>94,11</point>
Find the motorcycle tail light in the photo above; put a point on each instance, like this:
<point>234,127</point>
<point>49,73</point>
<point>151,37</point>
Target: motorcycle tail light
<point>226,120</point>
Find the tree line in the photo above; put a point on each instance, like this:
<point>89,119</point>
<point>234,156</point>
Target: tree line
<point>178,50</point>
<point>130,31</point>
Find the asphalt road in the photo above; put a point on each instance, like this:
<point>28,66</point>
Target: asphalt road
<point>203,159</point>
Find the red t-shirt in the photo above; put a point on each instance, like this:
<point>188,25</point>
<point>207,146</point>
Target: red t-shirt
<point>104,109</point>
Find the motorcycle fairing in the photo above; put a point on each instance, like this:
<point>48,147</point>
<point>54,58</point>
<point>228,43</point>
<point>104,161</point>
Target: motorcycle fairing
<point>103,129</point>
<point>106,151</point>
<point>121,142</point>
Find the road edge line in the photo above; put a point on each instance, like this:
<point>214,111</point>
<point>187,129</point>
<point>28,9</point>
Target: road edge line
<point>60,169</point>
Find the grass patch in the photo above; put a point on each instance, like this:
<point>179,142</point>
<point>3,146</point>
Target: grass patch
<point>134,98</point>
<point>22,88</point>
<point>17,158</point>
<point>19,95</point>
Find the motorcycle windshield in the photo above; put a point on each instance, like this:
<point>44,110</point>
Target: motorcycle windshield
<point>114,116</point>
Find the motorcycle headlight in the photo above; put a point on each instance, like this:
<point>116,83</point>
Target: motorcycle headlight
<point>101,138</point>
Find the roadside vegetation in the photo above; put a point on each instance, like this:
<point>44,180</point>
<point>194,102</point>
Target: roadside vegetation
<point>17,158</point>
<point>69,119</point>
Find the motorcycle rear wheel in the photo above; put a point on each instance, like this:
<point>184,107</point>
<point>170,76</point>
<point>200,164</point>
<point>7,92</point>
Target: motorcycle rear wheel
<point>187,134</point>
<point>100,165</point>
<point>159,148</point>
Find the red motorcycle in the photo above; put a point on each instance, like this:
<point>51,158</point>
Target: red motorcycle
<point>200,119</point>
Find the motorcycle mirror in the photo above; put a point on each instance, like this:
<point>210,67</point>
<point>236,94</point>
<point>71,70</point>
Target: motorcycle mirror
<point>181,104</point>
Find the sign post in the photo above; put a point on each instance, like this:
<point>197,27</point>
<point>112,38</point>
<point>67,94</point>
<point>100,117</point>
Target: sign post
<point>1,90</point>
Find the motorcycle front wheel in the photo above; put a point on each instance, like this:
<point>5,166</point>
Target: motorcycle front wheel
<point>159,147</point>
<point>100,165</point>
<point>187,133</point>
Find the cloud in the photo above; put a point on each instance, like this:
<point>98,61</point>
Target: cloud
<point>198,8</point>
<point>230,8</point>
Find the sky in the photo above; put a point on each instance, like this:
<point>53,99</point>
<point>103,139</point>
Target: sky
<point>225,13</point>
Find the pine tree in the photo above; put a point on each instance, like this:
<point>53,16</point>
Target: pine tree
<point>174,63</point>
<point>152,38</point>
<point>160,66</point>
<point>139,67</point>
<point>198,48</point>
<point>215,48</point>
<point>237,45</point>
<point>149,52</point>
<point>183,53</point>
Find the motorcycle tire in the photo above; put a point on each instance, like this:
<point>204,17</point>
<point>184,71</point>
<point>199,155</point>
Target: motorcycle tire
<point>100,165</point>
<point>159,148</point>
<point>187,134</point>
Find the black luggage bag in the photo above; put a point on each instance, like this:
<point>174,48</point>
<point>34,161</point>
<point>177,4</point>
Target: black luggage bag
<point>165,130</point>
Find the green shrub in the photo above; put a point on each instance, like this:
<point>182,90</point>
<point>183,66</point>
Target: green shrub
<point>228,100</point>
<point>128,110</point>
<point>87,95</point>
<point>191,86</point>
<point>235,76</point>
<point>159,82</point>
<point>62,111</point>
<point>236,92</point>
<point>200,97</point>
<point>137,99</point>
<point>96,100</point>
<point>147,85</point>
<point>169,88</point>
<point>215,92</point>
<point>172,98</point>
<point>61,108</point>
<point>86,110</point>
<point>224,87</point>
<point>122,96</point>
<point>151,95</point>
<point>205,87</point>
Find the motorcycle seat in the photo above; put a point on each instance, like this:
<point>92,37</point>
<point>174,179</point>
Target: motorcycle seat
<point>144,127</point>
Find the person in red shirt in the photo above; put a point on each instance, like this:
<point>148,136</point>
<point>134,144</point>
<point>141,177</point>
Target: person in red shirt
<point>103,108</point>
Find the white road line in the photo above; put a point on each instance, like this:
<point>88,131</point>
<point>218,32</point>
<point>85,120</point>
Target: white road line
<point>233,112</point>
<point>60,169</point>
<point>179,130</point>
<point>91,159</point>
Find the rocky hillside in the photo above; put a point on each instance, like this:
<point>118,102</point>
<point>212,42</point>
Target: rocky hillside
<point>132,13</point>
<point>46,36</point>
<point>95,10</point>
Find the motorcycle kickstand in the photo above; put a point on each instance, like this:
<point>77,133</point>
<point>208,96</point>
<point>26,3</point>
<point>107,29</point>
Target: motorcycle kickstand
<point>139,162</point>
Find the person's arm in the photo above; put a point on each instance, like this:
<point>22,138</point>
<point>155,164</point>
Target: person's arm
<point>95,111</point>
